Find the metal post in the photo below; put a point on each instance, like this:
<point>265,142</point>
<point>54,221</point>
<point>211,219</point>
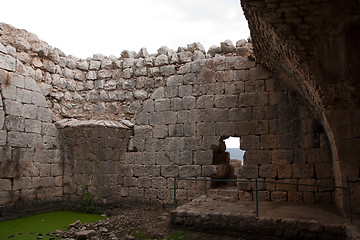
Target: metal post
<point>349,199</point>
<point>256,198</point>
<point>204,185</point>
<point>174,193</point>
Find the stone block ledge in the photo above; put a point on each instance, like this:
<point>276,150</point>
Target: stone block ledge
<point>125,124</point>
<point>205,214</point>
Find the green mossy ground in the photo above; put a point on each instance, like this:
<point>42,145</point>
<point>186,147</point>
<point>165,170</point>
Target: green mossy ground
<point>29,227</point>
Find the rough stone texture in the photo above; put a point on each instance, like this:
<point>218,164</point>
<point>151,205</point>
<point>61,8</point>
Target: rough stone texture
<point>140,122</point>
<point>313,46</point>
<point>238,219</point>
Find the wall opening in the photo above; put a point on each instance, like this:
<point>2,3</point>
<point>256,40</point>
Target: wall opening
<point>233,147</point>
<point>228,157</point>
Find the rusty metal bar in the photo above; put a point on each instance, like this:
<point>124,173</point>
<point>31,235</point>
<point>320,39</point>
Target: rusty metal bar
<point>349,199</point>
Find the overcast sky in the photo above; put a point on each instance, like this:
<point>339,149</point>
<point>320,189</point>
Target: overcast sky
<point>84,27</point>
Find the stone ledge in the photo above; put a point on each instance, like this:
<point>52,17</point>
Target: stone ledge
<point>105,123</point>
<point>205,214</point>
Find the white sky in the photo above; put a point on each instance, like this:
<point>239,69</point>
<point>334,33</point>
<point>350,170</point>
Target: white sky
<point>84,27</point>
<point>232,142</point>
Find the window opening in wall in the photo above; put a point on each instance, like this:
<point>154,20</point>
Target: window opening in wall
<point>233,147</point>
<point>227,163</point>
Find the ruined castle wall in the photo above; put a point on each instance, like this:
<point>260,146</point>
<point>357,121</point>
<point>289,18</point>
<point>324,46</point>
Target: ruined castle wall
<point>30,166</point>
<point>181,104</point>
<point>314,45</point>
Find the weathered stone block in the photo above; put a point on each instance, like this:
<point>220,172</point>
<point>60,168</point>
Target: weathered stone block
<point>257,157</point>
<point>176,104</point>
<point>190,171</point>
<point>7,62</point>
<point>262,196</point>
<point>247,171</point>
<point>146,170</point>
<point>143,131</point>
<point>302,170</point>
<point>259,127</point>
<point>242,128</point>
<point>144,182</point>
<point>282,156</point>
<point>250,142</point>
<point>285,141</point>
<point>162,105</point>
<point>203,157</point>
<point>267,171</point>
<point>309,197</point>
<point>325,185</point>
<point>158,182</point>
<point>169,171</point>
<point>130,182</point>
<point>318,155</point>
<point>208,170</point>
<point>205,101</point>
<point>229,101</point>
<point>323,170</point>
<point>189,102</point>
<point>234,87</point>
<point>167,70</point>
<point>14,123</point>
<point>44,114</point>
<point>205,129</point>
<point>225,128</point>
<point>176,130</point>
<point>35,140</point>
<point>183,158</point>
<point>295,196</point>
<point>254,86</point>
<point>142,118</point>
<point>4,197</point>
<point>240,114</point>
<point>24,96</point>
<point>185,90</point>
<point>124,170</point>
<point>286,185</point>
<point>245,196</point>
<point>189,129</point>
<point>253,99</point>
<point>8,91</point>
<point>29,111</point>
<point>169,117</point>
<point>160,131</point>
<point>307,188</point>
<point>244,185</point>
<point>5,185</point>
<point>278,196</point>
<point>268,141</point>
<point>17,139</point>
<point>284,170</point>
<point>324,197</point>
<point>215,114</point>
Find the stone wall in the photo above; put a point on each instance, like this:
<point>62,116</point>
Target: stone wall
<point>126,126</point>
<point>92,154</point>
<point>30,165</point>
<point>313,45</point>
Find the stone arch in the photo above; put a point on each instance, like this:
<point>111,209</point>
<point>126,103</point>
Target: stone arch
<point>319,62</point>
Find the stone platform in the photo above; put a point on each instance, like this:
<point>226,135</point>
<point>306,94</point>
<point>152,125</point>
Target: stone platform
<point>277,220</point>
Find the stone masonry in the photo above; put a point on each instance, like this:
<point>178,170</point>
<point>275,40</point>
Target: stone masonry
<point>314,45</point>
<point>126,126</point>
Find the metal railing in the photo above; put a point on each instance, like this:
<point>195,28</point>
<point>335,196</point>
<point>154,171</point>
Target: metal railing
<point>256,181</point>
